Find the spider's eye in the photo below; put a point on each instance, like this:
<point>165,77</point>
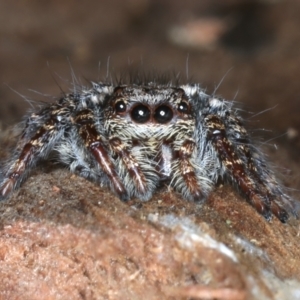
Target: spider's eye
<point>183,107</point>
<point>120,106</point>
<point>140,114</point>
<point>163,114</point>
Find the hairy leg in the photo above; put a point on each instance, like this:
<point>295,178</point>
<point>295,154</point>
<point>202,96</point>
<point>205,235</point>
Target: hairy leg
<point>238,165</point>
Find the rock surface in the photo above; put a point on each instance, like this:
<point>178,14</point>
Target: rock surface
<point>63,237</point>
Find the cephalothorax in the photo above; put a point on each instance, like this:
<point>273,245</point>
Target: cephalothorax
<point>135,137</point>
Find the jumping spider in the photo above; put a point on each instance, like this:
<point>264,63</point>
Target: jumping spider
<point>135,137</point>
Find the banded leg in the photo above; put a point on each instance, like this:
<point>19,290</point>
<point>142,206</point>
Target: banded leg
<point>133,168</point>
<point>187,173</point>
<point>258,170</point>
<point>31,151</point>
<point>265,184</point>
<point>94,143</point>
<point>233,164</point>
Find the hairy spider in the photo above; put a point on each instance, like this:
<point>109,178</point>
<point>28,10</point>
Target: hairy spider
<point>135,137</point>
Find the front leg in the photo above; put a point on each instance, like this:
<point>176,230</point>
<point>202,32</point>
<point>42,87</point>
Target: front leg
<point>135,167</point>
<point>236,165</point>
<point>85,121</point>
<point>184,173</point>
<point>134,182</point>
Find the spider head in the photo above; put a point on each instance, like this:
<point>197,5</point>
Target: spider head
<point>149,106</point>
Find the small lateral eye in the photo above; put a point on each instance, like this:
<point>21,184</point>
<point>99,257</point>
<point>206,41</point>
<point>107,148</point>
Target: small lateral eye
<point>183,107</point>
<point>120,106</point>
<point>163,114</point>
<point>140,114</point>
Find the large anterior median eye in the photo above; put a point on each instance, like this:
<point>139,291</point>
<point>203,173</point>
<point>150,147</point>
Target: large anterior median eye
<point>140,114</point>
<point>163,114</point>
<point>120,106</point>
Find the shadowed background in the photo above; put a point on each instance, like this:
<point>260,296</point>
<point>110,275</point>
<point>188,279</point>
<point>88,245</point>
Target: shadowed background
<point>249,50</point>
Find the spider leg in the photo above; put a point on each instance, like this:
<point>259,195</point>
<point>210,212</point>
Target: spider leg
<point>266,184</point>
<point>185,179</point>
<point>276,209</point>
<point>36,142</point>
<point>280,203</point>
<point>94,143</point>
<point>141,185</point>
<point>233,164</point>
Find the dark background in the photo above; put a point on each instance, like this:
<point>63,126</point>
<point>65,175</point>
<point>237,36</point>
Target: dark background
<point>248,50</point>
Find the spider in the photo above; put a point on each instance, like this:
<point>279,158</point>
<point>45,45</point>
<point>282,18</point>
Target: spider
<point>137,137</point>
